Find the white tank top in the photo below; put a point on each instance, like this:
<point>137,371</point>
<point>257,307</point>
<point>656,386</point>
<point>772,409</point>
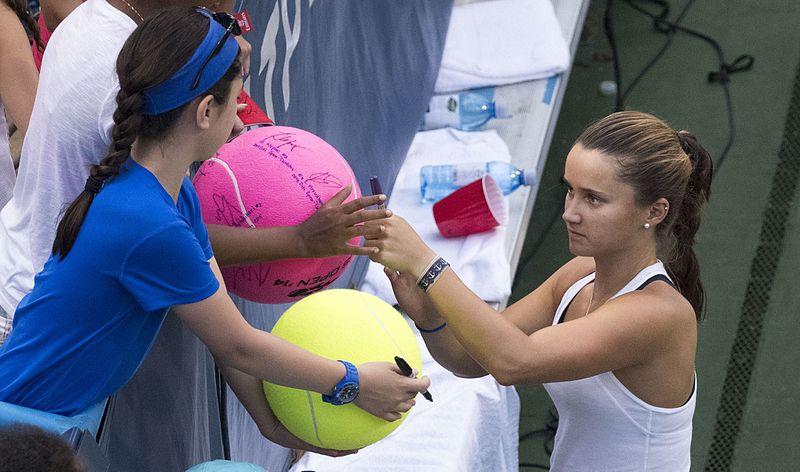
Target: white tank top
<point>7,174</point>
<point>603,426</point>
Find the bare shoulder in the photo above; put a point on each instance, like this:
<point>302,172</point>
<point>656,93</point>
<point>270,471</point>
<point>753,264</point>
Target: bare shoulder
<point>659,307</point>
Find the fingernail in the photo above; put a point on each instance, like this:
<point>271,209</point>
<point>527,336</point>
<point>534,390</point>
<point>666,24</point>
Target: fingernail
<point>388,213</point>
<point>381,197</point>
<point>375,250</point>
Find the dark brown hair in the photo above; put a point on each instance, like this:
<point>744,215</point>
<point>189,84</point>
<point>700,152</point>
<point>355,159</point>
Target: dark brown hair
<point>29,448</point>
<point>20,7</point>
<point>150,56</point>
<point>657,162</point>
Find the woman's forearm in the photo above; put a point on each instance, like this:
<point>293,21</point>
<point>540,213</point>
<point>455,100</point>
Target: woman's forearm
<point>451,355</point>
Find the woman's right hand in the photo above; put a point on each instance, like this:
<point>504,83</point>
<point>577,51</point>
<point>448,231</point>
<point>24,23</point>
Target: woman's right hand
<point>385,392</point>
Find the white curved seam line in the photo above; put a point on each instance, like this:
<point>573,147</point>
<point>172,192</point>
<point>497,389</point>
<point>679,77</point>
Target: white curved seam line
<point>235,188</point>
<point>383,327</point>
<point>314,418</point>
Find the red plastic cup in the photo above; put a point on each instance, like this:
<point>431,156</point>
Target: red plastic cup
<point>474,208</point>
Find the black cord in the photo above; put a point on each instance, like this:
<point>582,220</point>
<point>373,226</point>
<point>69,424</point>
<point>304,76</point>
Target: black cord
<point>661,24</point>
<point>670,35</point>
<point>608,22</point>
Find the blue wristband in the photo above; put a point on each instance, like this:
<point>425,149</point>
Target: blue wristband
<point>433,330</point>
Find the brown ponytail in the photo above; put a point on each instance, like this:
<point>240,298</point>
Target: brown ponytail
<point>150,56</point>
<point>661,163</point>
<point>20,7</point>
<point>683,264</point>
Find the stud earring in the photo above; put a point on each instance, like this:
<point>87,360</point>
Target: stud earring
<point>647,226</point>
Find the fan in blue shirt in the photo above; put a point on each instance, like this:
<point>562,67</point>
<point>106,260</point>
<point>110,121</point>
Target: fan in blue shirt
<point>133,244</point>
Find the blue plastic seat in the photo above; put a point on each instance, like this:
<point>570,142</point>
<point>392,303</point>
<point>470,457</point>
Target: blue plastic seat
<point>88,420</point>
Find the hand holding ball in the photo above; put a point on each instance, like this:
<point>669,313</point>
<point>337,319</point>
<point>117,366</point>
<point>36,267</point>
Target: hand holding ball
<point>340,324</point>
<point>267,177</point>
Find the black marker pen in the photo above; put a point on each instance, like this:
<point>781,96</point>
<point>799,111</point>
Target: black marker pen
<point>409,372</point>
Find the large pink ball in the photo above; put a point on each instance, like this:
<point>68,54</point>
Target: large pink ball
<point>274,176</point>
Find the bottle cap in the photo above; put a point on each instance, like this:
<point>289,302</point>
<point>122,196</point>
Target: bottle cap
<point>501,112</point>
<point>528,176</point>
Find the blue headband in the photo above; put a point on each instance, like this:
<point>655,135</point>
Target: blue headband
<point>177,90</point>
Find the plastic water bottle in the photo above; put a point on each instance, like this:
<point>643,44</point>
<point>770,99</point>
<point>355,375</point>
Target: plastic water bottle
<point>467,111</point>
<point>437,182</point>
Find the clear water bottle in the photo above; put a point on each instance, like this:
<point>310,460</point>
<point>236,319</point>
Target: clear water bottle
<point>437,182</point>
<point>467,111</point>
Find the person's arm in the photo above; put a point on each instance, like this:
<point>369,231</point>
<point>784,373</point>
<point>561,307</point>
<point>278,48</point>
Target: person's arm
<point>54,11</point>
<point>385,392</point>
<point>326,232</point>
<point>250,393</point>
<point>531,313</point>
<point>18,75</point>
<point>441,343</point>
<point>617,335</point>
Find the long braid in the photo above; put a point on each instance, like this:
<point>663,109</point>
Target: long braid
<point>20,7</point>
<point>127,120</point>
<point>149,57</point>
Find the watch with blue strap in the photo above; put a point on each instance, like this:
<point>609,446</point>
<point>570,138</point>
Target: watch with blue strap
<point>347,389</point>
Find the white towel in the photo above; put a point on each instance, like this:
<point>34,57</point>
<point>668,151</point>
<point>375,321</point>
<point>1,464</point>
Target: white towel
<point>501,42</point>
<point>478,259</point>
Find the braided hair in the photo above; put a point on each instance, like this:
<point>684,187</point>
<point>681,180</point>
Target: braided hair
<point>150,56</point>
<point>20,8</point>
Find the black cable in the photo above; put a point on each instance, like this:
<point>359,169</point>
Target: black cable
<point>670,35</point>
<point>722,74</point>
<point>608,22</point>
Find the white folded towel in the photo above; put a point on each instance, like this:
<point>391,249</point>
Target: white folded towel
<point>478,259</point>
<point>501,42</point>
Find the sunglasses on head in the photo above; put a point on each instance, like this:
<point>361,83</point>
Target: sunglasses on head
<point>231,28</point>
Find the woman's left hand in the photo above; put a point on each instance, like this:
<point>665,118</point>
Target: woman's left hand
<point>413,300</point>
<point>399,247</point>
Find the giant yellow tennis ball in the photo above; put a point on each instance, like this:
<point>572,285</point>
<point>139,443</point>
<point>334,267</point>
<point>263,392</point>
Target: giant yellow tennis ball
<point>340,324</point>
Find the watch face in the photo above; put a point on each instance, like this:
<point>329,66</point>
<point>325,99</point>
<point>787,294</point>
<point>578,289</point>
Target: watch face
<point>348,393</point>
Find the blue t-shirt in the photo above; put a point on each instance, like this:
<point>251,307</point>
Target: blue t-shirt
<point>91,317</point>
